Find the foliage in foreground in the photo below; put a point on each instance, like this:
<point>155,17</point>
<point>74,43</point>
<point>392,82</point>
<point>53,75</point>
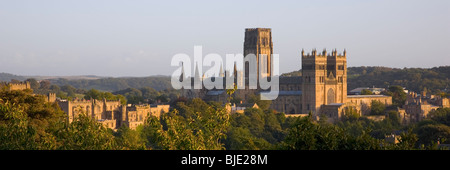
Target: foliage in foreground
<point>27,122</point>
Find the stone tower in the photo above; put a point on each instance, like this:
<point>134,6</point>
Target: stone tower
<point>324,80</point>
<point>259,41</point>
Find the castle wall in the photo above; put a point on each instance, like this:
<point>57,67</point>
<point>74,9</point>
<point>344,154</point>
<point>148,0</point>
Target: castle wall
<point>19,86</point>
<point>364,102</point>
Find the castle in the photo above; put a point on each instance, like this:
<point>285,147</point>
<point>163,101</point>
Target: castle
<point>322,88</point>
<point>112,114</point>
<point>51,97</point>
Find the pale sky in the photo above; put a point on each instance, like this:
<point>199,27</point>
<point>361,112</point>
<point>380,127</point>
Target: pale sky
<point>139,38</point>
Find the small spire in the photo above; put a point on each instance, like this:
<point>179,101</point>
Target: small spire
<point>221,74</point>
<point>197,74</point>
<point>182,72</point>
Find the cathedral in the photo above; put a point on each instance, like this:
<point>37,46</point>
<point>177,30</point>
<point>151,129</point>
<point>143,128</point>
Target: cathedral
<point>320,90</point>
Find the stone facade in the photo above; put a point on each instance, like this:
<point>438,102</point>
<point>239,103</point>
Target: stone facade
<point>137,114</point>
<point>111,114</point>
<point>17,86</point>
<point>289,99</point>
<point>364,102</point>
<point>97,109</point>
<point>322,88</point>
<point>417,107</point>
<point>324,80</point>
<point>51,97</point>
<point>258,41</point>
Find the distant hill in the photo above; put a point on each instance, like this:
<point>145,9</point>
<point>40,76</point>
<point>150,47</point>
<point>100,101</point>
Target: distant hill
<point>7,77</point>
<point>82,77</point>
<point>415,79</point>
<point>116,84</point>
<point>96,82</point>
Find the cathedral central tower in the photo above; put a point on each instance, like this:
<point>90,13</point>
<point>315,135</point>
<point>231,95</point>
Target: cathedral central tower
<point>258,41</point>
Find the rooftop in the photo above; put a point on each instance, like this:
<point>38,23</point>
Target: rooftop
<point>356,96</point>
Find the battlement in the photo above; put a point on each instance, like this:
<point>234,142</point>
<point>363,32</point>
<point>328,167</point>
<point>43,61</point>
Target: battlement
<point>324,54</point>
<point>17,86</point>
<point>84,101</point>
<point>257,29</point>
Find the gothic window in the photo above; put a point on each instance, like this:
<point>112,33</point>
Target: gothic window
<point>330,96</point>
<point>322,79</point>
<point>321,67</point>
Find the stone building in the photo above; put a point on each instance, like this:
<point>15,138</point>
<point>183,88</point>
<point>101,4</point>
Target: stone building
<point>364,102</point>
<point>258,41</point>
<point>322,88</point>
<point>106,112</point>
<point>324,80</point>
<point>289,96</point>
<point>16,86</point>
<point>137,114</point>
<point>112,114</point>
<point>51,97</point>
<point>418,106</point>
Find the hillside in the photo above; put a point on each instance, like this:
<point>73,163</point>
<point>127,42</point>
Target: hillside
<point>8,77</point>
<point>415,79</point>
<point>116,84</point>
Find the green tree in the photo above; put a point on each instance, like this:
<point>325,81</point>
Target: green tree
<point>129,139</point>
<point>263,104</point>
<point>350,113</point>
<point>366,92</point>
<point>441,115</point>
<point>16,132</point>
<point>407,141</point>
<point>93,94</point>
<point>98,95</point>
<point>240,138</point>
<point>430,134</point>
<point>377,108</point>
<point>398,95</point>
<point>308,135</point>
<point>85,133</point>
<point>188,131</point>
<point>33,83</point>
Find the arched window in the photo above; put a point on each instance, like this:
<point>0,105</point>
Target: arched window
<point>330,96</point>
